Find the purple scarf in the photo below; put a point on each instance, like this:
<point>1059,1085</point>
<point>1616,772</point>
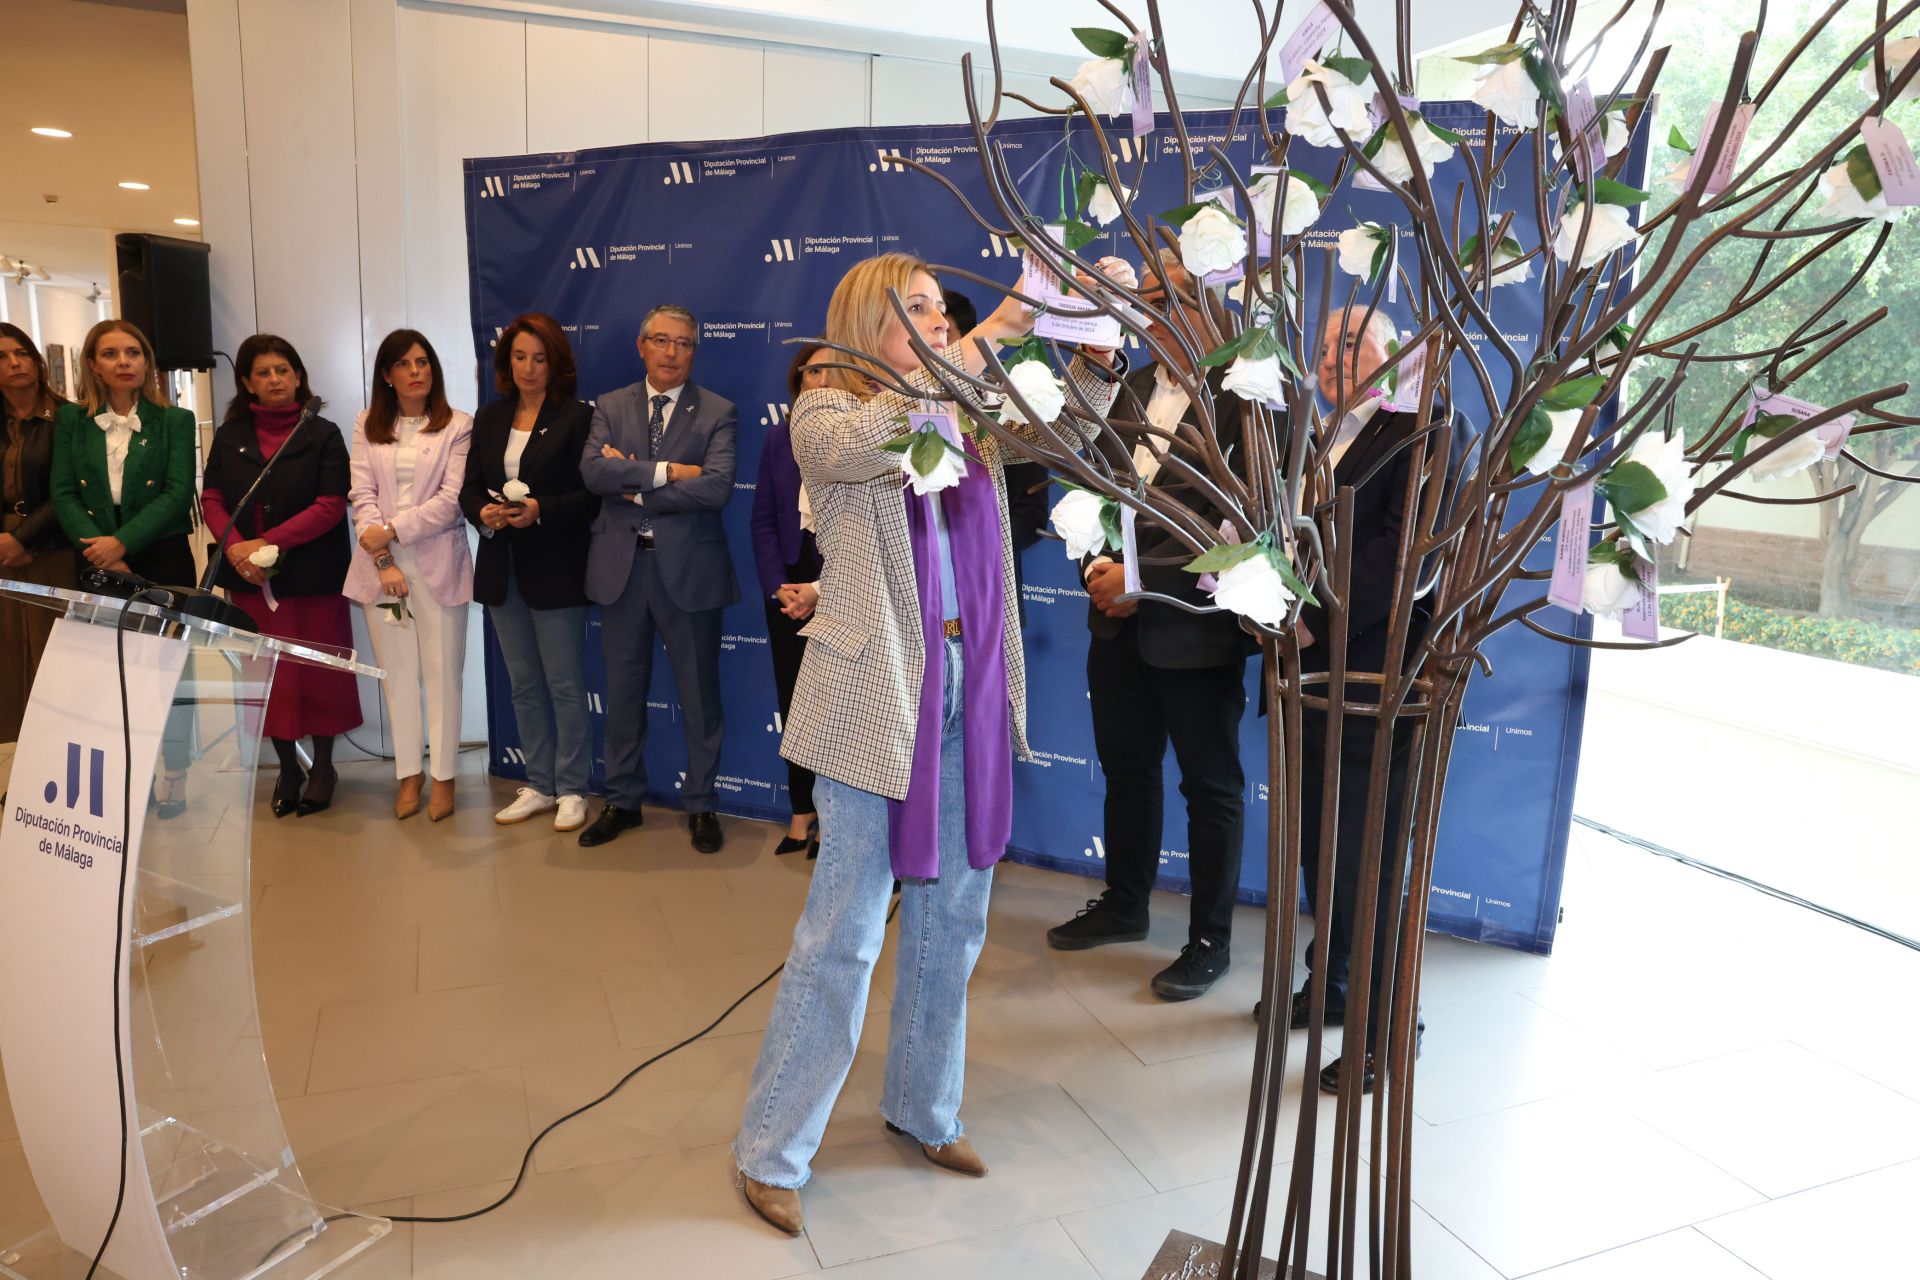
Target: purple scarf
<point>973,532</point>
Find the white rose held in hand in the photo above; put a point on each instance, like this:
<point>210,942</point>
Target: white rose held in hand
<point>1211,241</point>
<point>1608,593</point>
<point>1314,125</point>
<point>1076,518</point>
<point>1790,459</point>
<point>1667,459</point>
<point>1508,91</point>
<point>265,558</point>
<point>1392,161</point>
<point>1035,382</point>
<point>1106,84</point>
<point>1254,589</point>
<point>1102,207</point>
<point>515,491</point>
<point>1257,380</point>
<point>1608,229</point>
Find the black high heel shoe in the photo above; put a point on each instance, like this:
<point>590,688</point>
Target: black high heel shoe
<point>317,797</point>
<point>794,844</point>
<point>170,794</point>
<point>286,793</point>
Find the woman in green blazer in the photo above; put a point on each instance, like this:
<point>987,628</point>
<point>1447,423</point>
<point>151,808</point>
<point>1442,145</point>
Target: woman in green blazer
<point>123,463</point>
<point>122,489</point>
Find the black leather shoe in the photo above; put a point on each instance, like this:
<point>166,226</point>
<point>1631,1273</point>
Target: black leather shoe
<point>319,793</point>
<point>1330,1076</point>
<point>1097,924</point>
<point>1301,1012</point>
<point>706,832</point>
<point>286,793</point>
<point>1200,965</point>
<point>611,822</point>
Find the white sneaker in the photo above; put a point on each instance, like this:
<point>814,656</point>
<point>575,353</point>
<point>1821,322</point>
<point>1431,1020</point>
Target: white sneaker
<point>527,803</point>
<point>572,815</point>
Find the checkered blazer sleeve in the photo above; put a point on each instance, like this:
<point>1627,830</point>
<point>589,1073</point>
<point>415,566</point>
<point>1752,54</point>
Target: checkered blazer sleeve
<point>838,437</point>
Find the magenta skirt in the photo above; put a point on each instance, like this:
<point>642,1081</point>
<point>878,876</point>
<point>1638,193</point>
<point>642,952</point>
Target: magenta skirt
<point>307,701</point>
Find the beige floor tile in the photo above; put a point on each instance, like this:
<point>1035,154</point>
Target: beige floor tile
<point>437,1033</point>
<point>389,902</point>
<point>287,1037</point>
<point>881,1196</point>
<point>391,1258</point>
<point>525,942</point>
<point>363,1145</point>
<point>1035,1251</point>
<point>306,968</point>
<point>8,1132</point>
<point>670,1215</point>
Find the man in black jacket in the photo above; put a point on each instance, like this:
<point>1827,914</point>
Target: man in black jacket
<point>1158,674</point>
<point>1352,352</point>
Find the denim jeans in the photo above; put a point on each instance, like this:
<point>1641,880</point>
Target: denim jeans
<point>815,1024</point>
<point>544,650</point>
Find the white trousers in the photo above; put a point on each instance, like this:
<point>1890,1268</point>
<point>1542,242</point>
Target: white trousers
<point>423,658</point>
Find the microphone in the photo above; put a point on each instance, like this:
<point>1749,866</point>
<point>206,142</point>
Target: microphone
<point>199,601</point>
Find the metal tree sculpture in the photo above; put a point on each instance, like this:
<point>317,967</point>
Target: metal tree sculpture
<point>1468,524</point>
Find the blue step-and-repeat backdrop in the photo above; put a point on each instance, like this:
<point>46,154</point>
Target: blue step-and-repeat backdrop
<point>752,235</point>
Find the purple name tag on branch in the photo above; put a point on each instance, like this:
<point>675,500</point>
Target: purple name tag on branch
<point>1642,621</point>
<point>1721,176</point>
<point>1893,161</point>
<point>1831,434</point>
<point>1229,535</point>
<point>1590,151</point>
<point>941,422</point>
<point>1568,588</point>
<point>1142,91</point>
<point>1309,40</point>
<point>1413,375</point>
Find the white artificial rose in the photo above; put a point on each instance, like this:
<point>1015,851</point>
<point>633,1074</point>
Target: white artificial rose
<point>1036,383</point>
<point>1614,136</point>
<point>265,558</point>
<point>1508,267</point>
<point>1106,84</point>
<point>1667,459</point>
<point>1357,245</point>
<point>946,473</point>
<point>1210,241</point>
<point>392,615</point>
<point>1845,201</point>
<point>1391,158</point>
<point>1899,54</point>
<point>1790,459</point>
<point>1549,454</point>
<point>1610,230</point>
<point>1608,593</point>
<point>1254,589</point>
<point>1508,91</point>
<point>1076,518</point>
<point>1301,210</point>
<point>1306,119</point>
<point>515,491</point>
<point>1102,207</point>
<point>1257,380</point>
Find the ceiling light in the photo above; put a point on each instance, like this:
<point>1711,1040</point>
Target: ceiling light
<point>186,222</point>
<point>48,131</point>
<point>135,186</point>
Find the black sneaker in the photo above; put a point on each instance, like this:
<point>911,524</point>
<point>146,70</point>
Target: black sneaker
<point>1198,968</point>
<point>1095,925</point>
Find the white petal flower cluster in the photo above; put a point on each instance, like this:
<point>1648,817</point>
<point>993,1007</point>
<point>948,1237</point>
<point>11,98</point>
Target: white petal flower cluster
<point>1392,160</point>
<point>1789,459</point>
<point>1667,459</point>
<point>1548,455</point>
<point>1508,91</point>
<point>944,474</point>
<point>1106,84</point>
<point>1301,210</point>
<point>1899,54</point>
<point>1102,207</point>
<point>1076,518</point>
<point>1608,230</point>
<point>1211,241</point>
<point>1357,246</point>
<point>1035,381</point>
<point>1845,201</point>
<point>1254,589</point>
<point>1257,380</point>
<point>1315,126</point>
<point>265,558</point>
<point>1607,592</point>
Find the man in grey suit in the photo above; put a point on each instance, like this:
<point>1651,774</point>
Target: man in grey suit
<point>660,455</point>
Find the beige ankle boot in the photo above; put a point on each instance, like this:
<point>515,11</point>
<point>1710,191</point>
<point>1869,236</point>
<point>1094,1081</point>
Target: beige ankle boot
<point>957,1155</point>
<point>778,1205</point>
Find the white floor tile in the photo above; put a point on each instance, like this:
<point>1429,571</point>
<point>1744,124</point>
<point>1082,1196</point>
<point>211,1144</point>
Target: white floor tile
<point>1678,1255</point>
<point>1036,1251</point>
<point>1862,1227</point>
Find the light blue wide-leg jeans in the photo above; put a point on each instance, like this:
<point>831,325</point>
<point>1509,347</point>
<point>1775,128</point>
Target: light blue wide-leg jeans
<point>815,1025</point>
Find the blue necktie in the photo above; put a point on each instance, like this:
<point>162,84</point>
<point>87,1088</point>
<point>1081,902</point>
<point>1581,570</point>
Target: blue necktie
<point>656,431</point>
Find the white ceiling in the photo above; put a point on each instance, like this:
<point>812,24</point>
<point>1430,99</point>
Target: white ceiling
<point>117,76</point>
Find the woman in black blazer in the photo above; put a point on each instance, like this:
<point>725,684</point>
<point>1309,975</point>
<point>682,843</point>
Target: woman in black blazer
<point>33,548</point>
<point>298,521</point>
<point>524,493</point>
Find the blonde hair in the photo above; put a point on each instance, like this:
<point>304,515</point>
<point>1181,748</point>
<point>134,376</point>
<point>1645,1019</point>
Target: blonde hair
<point>95,397</point>
<point>859,313</point>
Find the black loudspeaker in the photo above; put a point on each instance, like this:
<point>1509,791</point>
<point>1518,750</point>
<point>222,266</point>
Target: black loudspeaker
<point>165,288</point>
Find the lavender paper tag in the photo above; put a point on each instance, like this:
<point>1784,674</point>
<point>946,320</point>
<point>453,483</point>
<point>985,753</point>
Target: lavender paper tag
<point>1831,434</point>
<point>1893,160</point>
<point>1413,375</point>
<point>1309,40</point>
<point>1642,620</point>
<point>1037,279</point>
<point>1724,165</point>
<point>1070,317</point>
<point>1229,201</point>
<point>1590,150</point>
<point>941,422</point>
<point>1229,535</point>
<point>1142,91</point>
<point>1129,550</point>
<point>1568,588</point>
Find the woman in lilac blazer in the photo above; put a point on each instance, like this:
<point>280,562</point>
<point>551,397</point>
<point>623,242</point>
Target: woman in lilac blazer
<point>413,571</point>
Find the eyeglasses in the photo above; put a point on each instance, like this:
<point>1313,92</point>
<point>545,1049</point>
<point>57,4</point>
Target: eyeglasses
<point>660,342</point>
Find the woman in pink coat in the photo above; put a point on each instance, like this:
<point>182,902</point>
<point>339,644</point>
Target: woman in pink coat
<point>413,571</point>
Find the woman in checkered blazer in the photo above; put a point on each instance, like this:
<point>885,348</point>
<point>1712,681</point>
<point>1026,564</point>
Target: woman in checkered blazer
<point>910,705</point>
